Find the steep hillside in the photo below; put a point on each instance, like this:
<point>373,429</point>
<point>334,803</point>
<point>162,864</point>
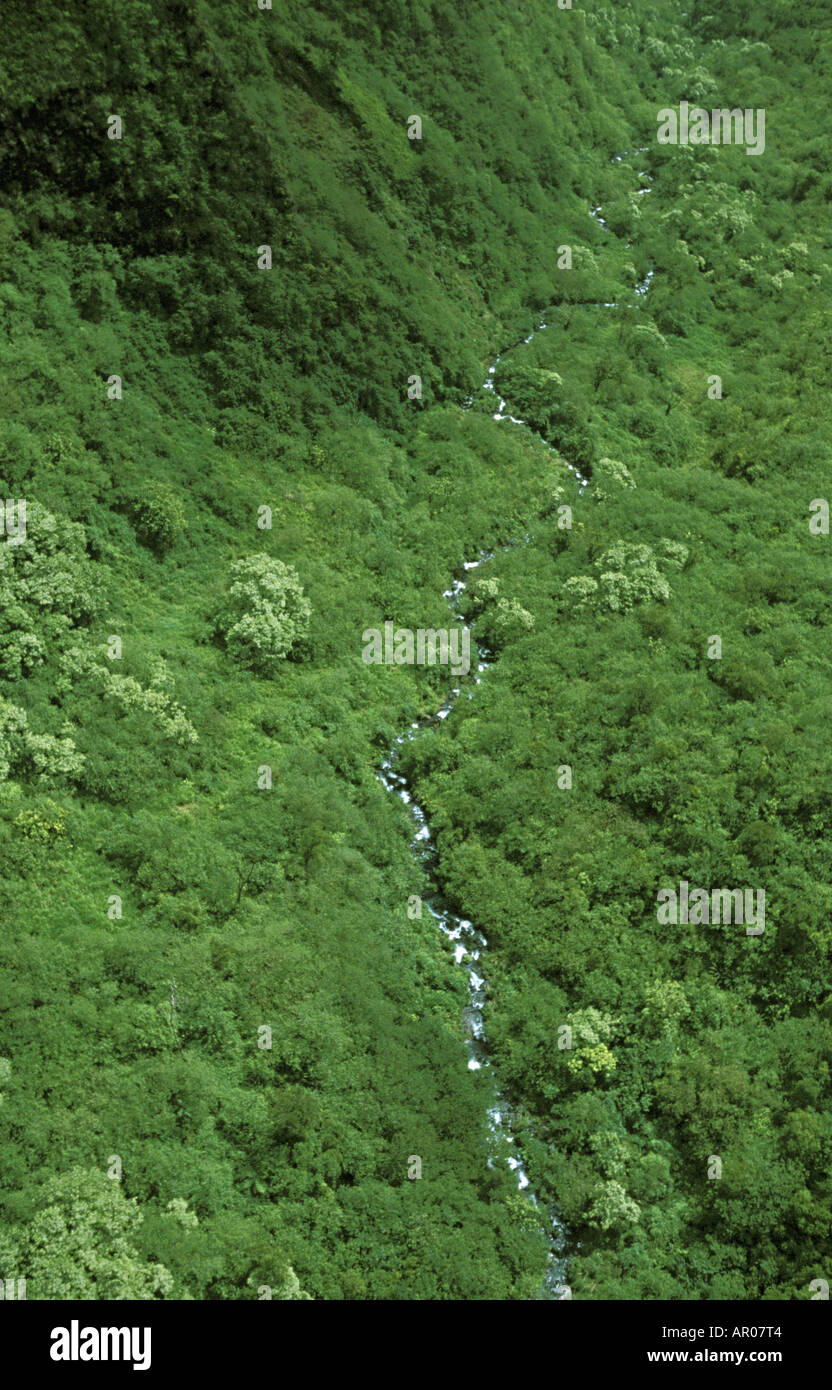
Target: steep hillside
<point>225,1037</point>
<point>677,667</point>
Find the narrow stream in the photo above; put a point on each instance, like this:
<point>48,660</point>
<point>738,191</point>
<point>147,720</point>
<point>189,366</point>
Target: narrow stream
<point>469,943</point>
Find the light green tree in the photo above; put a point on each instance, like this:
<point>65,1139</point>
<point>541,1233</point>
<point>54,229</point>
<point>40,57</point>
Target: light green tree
<point>265,613</point>
<point>612,1208</point>
<point>79,1244</point>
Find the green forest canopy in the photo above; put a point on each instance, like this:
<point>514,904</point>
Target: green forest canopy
<point>259,467</point>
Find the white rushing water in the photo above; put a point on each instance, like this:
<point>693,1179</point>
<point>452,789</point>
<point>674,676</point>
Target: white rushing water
<point>469,943</point>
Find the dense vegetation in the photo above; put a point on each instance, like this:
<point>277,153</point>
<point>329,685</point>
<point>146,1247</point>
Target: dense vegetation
<point>223,1035</point>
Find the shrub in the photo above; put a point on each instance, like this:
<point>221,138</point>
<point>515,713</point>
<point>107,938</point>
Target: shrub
<point>159,517</point>
<point>25,752</point>
<point>46,589</point>
<point>265,614</point>
<point>612,1208</point>
<point>609,476</point>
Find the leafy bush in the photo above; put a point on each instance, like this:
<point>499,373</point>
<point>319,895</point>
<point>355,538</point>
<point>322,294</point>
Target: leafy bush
<point>630,575</point>
<point>46,589</point>
<point>79,1244</point>
<point>25,752</point>
<point>265,614</point>
<point>612,1207</point>
<point>609,476</point>
<point>159,516</point>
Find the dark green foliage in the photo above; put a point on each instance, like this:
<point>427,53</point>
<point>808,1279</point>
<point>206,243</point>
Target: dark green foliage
<point>159,516</point>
